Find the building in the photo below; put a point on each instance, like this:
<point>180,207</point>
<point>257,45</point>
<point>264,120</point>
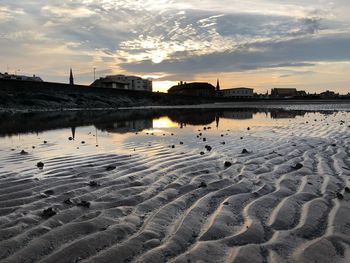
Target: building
<point>329,95</point>
<point>19,77</point>
<point>239,93</point>
<point>283,93</point>
<point>199,89</point>
<point>123,82</point>
<point>71,78</point>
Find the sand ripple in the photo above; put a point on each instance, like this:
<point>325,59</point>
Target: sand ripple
<point>163,204</point>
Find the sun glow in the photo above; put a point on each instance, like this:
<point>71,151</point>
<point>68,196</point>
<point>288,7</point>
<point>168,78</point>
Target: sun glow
<point>164,122</point>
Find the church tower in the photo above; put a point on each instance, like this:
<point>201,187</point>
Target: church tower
<point>218,85</point>
<point>71,79</point>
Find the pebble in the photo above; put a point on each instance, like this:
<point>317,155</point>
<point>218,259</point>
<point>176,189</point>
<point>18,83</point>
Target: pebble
<point>202,185</point>
<point>84,204</point>
<point>94,184</point>
<point>244,151</point>
<point>208,148</point>
<point>40,165</point>
<point>47,213</point>
<point>340,196</point>
<point>298,166</point>
<point>227,164</point>
<point>110,168</point>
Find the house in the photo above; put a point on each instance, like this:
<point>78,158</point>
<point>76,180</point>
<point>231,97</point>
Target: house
<point>329,95</point>
<point>123,82</point>
<point>200,89</point>
<point>283,93</point>
<point>239,93</point>
<point>19,77</point>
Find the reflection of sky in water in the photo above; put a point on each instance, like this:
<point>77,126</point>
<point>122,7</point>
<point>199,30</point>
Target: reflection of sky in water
<point>126,137</point>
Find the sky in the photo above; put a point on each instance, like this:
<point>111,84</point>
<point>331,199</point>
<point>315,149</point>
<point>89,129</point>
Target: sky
<point>262,44</point>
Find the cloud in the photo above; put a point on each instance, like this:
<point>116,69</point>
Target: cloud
<point>289,53</point>
<point>7,14</point>
<point>174,39</point>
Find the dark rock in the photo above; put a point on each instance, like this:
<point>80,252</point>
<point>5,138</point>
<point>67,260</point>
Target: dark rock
<point>68,201</point>
<point>49,192</point>
<point>23,152</point>
<point>244,151</point>
<point>173,146</point>
<point>208,148</point>
<point>70,138</point>
<point>83,142</point>
<point>204,139</point>
<point>223,143</point>
<point>227,164</point>
<point>202,185</point>
<point>226,203</point>
<point>222,135</point>
<point>248,128</point>
<point>110,168</point>
<point>339,196</point>
<point>297,166</point>
<point>94,184</point>
<point>201,153</point>
<point>47,213</point>
<point>334,145</point>
<point>45,142</point>
<point>347,189</point>
<point>181,143</point>
<point>40,165</point>
<point>33,147</point>
<point>84,204</point>
<point>241,138</point>
<point>42,195</point>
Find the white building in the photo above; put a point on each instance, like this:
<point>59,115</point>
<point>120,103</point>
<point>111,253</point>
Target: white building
<point>237,93</point>
<point>19,77</point>
<point>124,82</point>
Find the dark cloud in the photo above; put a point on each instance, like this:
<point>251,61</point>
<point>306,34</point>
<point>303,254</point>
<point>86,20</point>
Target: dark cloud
<point>293,53</point>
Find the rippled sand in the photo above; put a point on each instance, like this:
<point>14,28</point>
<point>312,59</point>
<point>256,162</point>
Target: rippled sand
<point>159,200</point>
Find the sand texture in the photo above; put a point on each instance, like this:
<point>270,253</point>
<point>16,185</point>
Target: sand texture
<point>159,200</point>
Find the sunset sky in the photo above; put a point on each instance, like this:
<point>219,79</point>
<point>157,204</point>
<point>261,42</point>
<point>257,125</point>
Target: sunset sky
<point>254,43</point>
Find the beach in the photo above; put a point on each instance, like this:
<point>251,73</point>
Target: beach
<point>234,186</point>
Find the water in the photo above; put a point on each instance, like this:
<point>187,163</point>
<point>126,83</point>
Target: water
<point>51,134</point>
<point>170,171</point>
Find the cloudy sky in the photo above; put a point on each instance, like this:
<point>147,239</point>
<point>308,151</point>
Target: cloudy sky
<point>256,43</point>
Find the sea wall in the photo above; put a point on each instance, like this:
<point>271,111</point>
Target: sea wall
<point>47,95</point>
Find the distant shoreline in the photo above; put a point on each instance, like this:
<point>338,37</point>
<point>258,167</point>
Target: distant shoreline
<point>26,96</point>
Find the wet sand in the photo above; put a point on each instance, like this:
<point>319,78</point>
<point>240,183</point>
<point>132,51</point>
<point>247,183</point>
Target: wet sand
<point>168,197</point>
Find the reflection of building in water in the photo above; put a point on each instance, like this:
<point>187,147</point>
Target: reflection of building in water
<point>239,115</point>
<point>283,114</point>
<point>73,132</point>
<point>191,117</point>
<point>127,126</point>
